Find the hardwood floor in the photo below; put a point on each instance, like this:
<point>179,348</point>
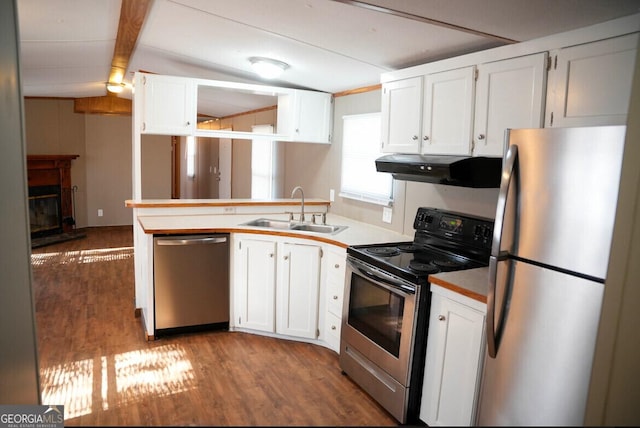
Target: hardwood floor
<point>95,361</point>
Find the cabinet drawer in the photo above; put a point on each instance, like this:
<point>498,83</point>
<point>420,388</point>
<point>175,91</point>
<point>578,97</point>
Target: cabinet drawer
<point>332,331</point>
<point>334,298</point>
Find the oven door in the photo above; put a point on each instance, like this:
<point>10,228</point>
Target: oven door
<point>379,319</point>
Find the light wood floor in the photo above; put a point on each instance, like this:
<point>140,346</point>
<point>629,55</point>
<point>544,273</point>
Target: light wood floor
<point>95,361</point>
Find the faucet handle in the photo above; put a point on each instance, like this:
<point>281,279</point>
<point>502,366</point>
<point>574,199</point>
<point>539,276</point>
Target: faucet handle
<point>290,215</point>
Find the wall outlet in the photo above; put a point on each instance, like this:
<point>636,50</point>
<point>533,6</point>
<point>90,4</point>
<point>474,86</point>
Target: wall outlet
<point>386,214</point>
<point>332,195</point>
<point>229,210</point>
<point>100,212</point>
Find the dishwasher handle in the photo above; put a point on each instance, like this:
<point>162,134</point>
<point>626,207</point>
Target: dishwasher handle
<point>192,241</point>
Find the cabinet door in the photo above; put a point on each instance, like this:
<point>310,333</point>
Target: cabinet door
<point>313,117</point>
<point>400,111</point>
<point>453,361</point>
<point>306,116</point>
<point>590,84</point>
<point>168,105</point>
<point>254,286</point>
<point>298,289</point>
<point>448,112</point>
<point>509,94</point>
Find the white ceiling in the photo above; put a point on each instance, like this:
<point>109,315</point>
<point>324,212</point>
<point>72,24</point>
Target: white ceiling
<point>331,45</point>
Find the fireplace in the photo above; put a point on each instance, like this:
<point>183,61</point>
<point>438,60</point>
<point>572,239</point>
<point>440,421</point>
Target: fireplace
<point>50,194</point>
<point>45,213</point>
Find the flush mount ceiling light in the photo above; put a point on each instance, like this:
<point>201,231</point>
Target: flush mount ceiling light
<point>115,88</point>
<point>268,68</point>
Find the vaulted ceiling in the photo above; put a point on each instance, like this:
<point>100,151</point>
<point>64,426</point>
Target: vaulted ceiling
<point>71,48</point>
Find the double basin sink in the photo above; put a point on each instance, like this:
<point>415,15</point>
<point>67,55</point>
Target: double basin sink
<point>295,226</point>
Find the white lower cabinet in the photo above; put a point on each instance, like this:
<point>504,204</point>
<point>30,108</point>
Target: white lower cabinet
<point>453,366</point>
<point>254,288</point>
<point>276,285</point>
<point>297,289</point>
<point>334,281</point>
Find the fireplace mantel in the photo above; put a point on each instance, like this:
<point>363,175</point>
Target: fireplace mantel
<point>54,170</point>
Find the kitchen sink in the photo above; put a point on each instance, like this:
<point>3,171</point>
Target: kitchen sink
<point>268,223</point>
<point>320,228</point>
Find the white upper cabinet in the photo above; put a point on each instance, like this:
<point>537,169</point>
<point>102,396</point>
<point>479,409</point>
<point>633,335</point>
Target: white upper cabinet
<point>401,115</point>
<point>429,114</point>
<point>590,84</point>
<point>168,105</point>
<point>448,112</point>
<point>509,94</point>
<point>306,116</point>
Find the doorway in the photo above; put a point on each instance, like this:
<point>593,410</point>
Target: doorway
<point>201,168</point>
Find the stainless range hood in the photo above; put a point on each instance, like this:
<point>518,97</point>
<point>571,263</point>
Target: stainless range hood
<point>464,171</point>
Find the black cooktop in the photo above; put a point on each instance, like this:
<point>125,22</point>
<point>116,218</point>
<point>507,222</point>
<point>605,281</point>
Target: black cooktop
<point>444,241</point>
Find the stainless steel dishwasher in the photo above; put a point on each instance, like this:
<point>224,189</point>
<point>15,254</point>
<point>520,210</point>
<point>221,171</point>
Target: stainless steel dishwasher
<point>191,282</point>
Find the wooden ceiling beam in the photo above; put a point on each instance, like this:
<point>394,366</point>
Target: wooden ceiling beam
<point>132,16</point>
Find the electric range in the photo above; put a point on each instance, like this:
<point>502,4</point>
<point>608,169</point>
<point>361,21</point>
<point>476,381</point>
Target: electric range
<point>387,304</point>
<point>444,241</point>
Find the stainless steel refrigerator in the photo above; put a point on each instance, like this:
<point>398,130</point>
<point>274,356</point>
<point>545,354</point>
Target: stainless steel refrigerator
<point>551,244</point>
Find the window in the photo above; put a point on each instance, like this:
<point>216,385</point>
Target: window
<point>360,148</point>
<point>191,157</point>
<point>266,176</point>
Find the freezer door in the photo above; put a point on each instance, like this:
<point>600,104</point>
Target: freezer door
<point>547,323</point>
<point>561,201</point>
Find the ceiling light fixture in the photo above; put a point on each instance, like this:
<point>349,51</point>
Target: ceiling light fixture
<point>268,68</point>
<point>115,88</point>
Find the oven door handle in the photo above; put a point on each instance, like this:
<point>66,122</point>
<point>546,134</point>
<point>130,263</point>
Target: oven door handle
<point>386,281</point>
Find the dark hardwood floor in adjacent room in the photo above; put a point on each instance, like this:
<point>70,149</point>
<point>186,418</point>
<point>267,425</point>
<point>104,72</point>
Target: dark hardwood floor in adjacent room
<point>95,361</point>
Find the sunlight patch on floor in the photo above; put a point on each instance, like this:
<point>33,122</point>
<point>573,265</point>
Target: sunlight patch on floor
<point>116,380</point>
<point>81,256</point>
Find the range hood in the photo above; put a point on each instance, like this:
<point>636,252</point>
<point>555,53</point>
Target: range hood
<point>464,171</point>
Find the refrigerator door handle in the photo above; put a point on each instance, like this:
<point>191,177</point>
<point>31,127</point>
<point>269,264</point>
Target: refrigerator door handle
<point>496,254</point>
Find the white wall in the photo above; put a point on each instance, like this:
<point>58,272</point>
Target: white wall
<point>108,167</point>
<point>156,166</point>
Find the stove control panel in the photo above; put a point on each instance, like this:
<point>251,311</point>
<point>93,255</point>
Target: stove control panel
<point>464,228</point>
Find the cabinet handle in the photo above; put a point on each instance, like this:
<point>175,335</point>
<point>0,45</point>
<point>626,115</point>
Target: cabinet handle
<point>188,123</point>
<point>333,327</point>
<point>336,266</point>
<point>286,257</point>
<point>441,318</point>
<point>271,255</point>
<point>335,297</point>
<point>480,136</point>
<point>425,138</point>
<point>414,138</point>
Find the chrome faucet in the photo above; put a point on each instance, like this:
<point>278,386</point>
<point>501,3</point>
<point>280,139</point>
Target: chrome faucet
<point>302,201</point>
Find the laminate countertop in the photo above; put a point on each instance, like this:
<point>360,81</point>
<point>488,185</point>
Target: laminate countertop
<point>356,232</point>
<point>473,283</point>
